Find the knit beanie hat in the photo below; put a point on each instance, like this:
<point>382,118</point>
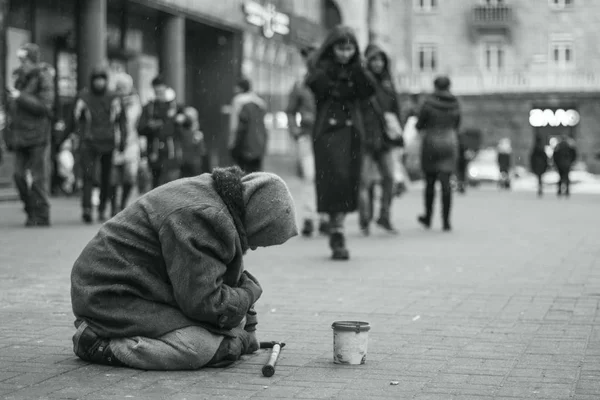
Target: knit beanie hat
<point>270,211</point>
<point>30,51</point>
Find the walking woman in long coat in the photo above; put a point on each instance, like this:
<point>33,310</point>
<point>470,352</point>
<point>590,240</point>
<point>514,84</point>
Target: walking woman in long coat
<point>439,121</point>
<point>538,160</point>
<point>339,83</point>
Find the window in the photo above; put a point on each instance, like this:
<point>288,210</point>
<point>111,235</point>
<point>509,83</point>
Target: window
<point>493,2</point>
<point>494,57</point>
<point>425,5</point>
<point>426,57</point>
<point>562,54</point>
<point>561,4</point>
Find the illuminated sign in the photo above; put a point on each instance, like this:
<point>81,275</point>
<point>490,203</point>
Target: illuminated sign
<point>267,17</point>
<point>539,118</point>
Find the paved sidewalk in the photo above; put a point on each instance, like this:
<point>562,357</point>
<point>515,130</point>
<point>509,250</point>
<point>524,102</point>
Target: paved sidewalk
<point>505,307</point>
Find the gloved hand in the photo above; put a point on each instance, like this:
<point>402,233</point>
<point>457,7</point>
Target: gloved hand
<point>251,320</point>
<point>251,285</point>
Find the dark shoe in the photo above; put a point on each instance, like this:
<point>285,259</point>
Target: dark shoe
<point>387,226</point>
<point>426,222</point>
<point>101,216</point>
<point>308,228</point>
<point>364,229</point>
<point>87,216</point>
<point>447,227</point>
<point>90,347</point>
<point>337,242</point>
<point>324,228</point>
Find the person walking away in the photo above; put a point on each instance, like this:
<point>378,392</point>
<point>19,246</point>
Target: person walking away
<point>157,125</point>
<point>98,116</point>
<point>564,156</point>
<point>301,113</point>
<point>248,143</point>
<point>439,121</point>
<point>462,163</point>
<point>163,285</point>
<point>339,83</point>
<point>538,160</point>
<point>192,144</point>
<point>382,133</point>
<point>30,105</point>
<point>126,162</point>
<point>504,162</point>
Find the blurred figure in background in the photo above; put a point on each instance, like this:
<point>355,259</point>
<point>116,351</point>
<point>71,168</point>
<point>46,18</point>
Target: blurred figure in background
<point>504,162</point>
<point>193,147</point>
<point>127,161</point>
<point>465,155</point>
<point>439,121</point>
<point>564,156</point>
<point>538,160</point>
<point>301,111</point>
<point>383,133</point>
<point>339,83</point>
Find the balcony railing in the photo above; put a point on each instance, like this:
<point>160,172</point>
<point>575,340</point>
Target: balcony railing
<point>484,18</point>
<point>473,84</point>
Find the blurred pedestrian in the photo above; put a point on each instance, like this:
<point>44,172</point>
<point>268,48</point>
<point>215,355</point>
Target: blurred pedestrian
<point>564,156</point>
<point>504,162</point>
<point>339,83</point>
<point>439,121</point>
<point>162,286</point>
<point>157,125</point>
<point>538,160</point>
<point>127,161</point>
<point>248,139</point>
<point>99,117</point>
<point>193,146</point>
<point>464,157</point>
<point>301,111</point>
<point>30,111</point>
<point>382,134</point>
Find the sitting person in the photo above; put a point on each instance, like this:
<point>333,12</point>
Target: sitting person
<point>163,286</point>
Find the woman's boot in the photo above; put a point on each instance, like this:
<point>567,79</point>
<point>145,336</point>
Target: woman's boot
<point>125,193</point>
<point>337,242</point>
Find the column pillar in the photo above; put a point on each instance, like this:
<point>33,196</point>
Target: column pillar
<point>91,39</point>
<point>172,55</point>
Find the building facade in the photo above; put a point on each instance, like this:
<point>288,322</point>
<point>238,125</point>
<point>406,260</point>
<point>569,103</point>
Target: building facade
<point>521,67</point>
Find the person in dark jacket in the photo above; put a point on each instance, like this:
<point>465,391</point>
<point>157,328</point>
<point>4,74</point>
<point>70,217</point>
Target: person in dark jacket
<point>99,114</point>
<point>163,286</point>
<point>30,105</point>
<point>340,83</point>
<point>193,146</point>
<point>157,125</point>
<point>248,143</point>
<point>439,121</point>
<point>538,160</point>
<point>380,138</point>
<point>564,156</point>
<point>504,162</point>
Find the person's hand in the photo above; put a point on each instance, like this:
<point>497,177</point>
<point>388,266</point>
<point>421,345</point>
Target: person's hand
<point>153,157</point>
<point>13,93</point>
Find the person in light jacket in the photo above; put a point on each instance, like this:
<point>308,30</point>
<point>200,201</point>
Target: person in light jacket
<point>163,285</point>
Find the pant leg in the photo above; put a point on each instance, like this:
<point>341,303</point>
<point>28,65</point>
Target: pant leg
<point>429,194</point>
<point>386,165</point>
<point>183,349</point>
<point>40,181</point>
<point>444,178</point>
<point>307,166</point>
<point>365,206</point>
<point>89,161</point>
<point>337,222</point>
<point>106,192</point>
<point>21,165</point>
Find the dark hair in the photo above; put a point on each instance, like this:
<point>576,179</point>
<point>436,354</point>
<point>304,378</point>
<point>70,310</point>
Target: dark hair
<point>245,85</point>
<point>158,81</point>
<point>441,83</point>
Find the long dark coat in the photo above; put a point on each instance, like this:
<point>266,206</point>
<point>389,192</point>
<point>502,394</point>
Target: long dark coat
<point>339,128</point>
<point>439,121</point>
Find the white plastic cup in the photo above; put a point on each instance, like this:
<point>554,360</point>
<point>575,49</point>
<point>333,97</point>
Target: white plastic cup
<point>350,341</point>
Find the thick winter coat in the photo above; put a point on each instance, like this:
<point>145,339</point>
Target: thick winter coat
<point>29,115</point>
<point>339,128</point>
<point>301,101</point>
<point>250,131</point>
<point>564,155</point>
<point>439,121</point>
<point>385,100</point>
<point>174,259</point>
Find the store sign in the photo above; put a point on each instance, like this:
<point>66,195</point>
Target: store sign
<point>267,17</point>
<point>539,118</point>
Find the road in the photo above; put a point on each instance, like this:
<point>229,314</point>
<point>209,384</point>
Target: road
<point>505,307</point>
